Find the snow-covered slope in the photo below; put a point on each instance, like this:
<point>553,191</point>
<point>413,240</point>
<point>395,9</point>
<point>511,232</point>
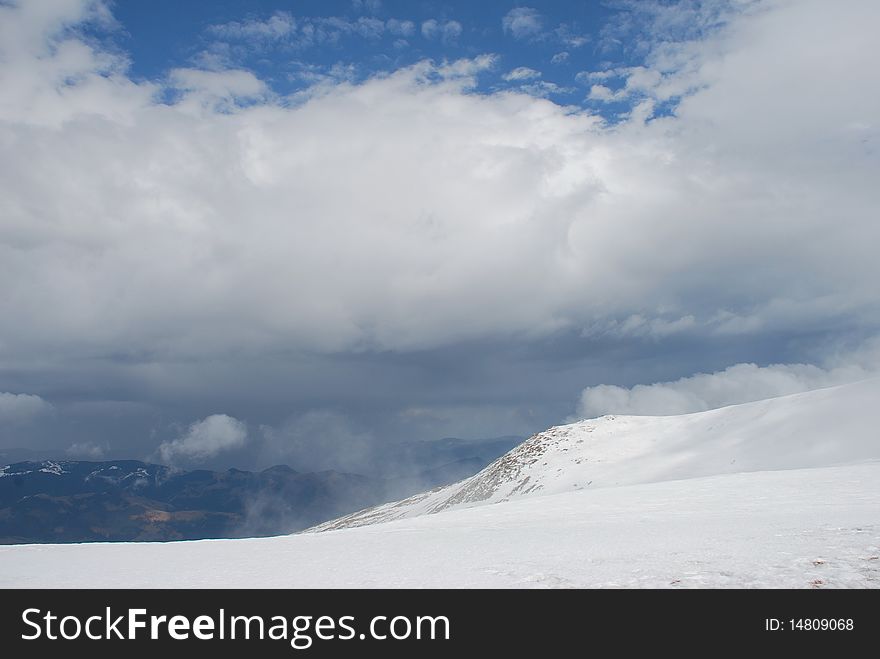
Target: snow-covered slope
<point>800,529</point>
<point>833,426</point>
<point>745,496</point>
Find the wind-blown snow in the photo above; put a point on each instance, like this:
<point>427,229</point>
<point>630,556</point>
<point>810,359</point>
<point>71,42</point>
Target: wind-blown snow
<point>743,496</point>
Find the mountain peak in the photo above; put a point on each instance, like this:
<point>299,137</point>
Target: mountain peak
<point>817,428</point>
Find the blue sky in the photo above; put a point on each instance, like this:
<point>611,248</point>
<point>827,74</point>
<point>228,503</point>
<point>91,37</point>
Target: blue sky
<point>541,50</point>
<point>282,216</point>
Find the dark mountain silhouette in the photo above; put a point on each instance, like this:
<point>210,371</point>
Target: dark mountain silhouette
<point>68,501</point>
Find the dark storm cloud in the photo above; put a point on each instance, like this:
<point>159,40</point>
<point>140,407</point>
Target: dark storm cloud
<point>342,411</point>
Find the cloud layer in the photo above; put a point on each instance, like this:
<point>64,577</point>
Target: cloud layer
<point>21,407</point>
<point>205,439</point>
<point>202,221</point>
<point>523,22</point>
<point>406,212</point>
<point>741,383</point>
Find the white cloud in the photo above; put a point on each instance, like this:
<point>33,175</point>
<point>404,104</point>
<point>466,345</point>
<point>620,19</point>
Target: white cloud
<point>430,28</point>
<point>205,439</point>
<point>638,81</point>
<point>648,26</point>
<point>586,77</point>
<point>321,76</point>
<point>370,28</point>
<point>49,74</point>
<point>409,211</point>
<point>570,37</point>
<point>282,28</point>
<point>279,25</point>
<point>400,28</point>
<point>560,57</point>
<point>521,73</point>
<point>603,93</point>
<point>446,31</point>
<point>86,450</point>
<point>736,384</point>
<point>528,24</point>
<point>523,22</point>
<point>462,70</point>
<point>22,407</point>
<point>221,90</point>
<point>543,88</point>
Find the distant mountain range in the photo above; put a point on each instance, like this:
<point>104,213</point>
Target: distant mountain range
<point>127,500</point>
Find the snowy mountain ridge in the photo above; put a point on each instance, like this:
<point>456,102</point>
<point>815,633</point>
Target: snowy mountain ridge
<point>820,428</point>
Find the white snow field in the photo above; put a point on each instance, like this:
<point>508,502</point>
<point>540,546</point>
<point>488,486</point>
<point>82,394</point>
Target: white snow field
<point>779,493</point>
